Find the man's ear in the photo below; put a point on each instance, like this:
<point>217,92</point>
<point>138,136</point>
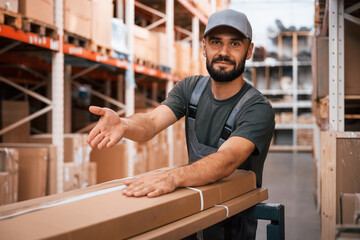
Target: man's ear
<point>249,51</point>
<point>204,47</point>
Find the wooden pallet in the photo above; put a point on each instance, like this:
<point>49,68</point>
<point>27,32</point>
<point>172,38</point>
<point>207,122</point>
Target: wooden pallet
<point>100,49</point>
<point>76,40</point>
<point>10,18</point>
<point>147,63</point>
<point>38,27</point>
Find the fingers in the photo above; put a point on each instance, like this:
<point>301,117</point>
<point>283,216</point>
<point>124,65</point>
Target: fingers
<point>97,110</point>
<point>98,138</point>
<point>103,142</point>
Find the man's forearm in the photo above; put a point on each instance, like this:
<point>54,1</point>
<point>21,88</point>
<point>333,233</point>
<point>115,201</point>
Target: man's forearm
<point>207,170</point>
<point>139,127</point>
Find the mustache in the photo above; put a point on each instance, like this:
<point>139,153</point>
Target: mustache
<point>224,59</point>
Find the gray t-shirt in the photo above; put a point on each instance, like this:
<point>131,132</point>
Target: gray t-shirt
<point>254,121</point>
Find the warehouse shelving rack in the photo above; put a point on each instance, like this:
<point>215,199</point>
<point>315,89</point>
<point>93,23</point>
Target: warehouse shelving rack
<point>279,65</point>
<point>58,57</point>
<point>336,163</point>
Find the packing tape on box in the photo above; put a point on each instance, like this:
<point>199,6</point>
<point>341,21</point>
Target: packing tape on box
<point>226,207</point>
<point>68,200</point>
<point>201,197</point>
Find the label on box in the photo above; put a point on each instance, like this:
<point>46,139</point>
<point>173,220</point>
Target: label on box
<point>67,174</point>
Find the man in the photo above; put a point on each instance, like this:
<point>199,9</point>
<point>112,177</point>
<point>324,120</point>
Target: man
<point>229,124</point>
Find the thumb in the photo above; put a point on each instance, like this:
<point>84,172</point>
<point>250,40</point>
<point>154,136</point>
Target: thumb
<point>97,110</point>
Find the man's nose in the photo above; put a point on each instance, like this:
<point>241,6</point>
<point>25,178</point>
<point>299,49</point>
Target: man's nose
<point>225,50</point>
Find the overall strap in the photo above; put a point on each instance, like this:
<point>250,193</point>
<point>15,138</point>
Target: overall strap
<point>231,119</point>
<point>196,94</point>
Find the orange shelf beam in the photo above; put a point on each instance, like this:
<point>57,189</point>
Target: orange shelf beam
<point>30,38</point>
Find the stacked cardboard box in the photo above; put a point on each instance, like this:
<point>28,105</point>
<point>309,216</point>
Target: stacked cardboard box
<point>183,56</point>
<point>51,171</point>
<point>146,45</point>
<point>92,173</point>
<point>305,137</point>
<point>10,5</point>
<point>77,17</point>
<point>101,16</point>
<point>41,10</point>
<point>11,112</point>
<point>9,167</point>
<point>76,152</point>
<point>117,216</point>
<point>180,154</point>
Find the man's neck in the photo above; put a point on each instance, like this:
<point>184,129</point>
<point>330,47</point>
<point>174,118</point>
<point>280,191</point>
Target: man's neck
<point>225,90</point>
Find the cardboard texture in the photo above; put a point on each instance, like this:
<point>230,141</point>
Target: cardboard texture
<point>111,163</point>
<point>11,112</point>
<point>10,5</point>
<point>32,8</point>
<point>76,150</point>
<point>183,54</point>
<point>350,205</point>
<point>352,57</point>
<point>51,181</point>
<point>77,17</point>
<point>9,167</point>
<point>119,216</point>
<point>101,16</point>
<point>33,164</point>
<point>92,173</point>
<point>196,222</point>
<point>70,181</point>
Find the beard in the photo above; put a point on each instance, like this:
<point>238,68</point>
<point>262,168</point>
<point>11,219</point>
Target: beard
<point>221,75</point>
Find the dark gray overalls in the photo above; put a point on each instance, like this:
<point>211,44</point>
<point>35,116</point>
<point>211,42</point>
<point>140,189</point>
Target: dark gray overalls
<point>234,226</point>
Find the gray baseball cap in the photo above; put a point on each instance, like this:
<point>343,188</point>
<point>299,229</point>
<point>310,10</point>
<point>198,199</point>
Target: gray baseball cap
<point>229,18</point>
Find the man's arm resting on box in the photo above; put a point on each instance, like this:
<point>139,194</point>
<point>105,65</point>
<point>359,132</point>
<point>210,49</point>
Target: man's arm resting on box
<point>140,127</point>
<point>216,166</point>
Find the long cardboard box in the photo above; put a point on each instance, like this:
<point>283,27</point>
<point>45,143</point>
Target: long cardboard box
<point>196,222</point>
<point>9,167</point>
<point>108,214</point>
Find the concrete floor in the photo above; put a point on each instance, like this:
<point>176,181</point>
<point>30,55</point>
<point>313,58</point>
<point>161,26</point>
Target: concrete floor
<point>290,180</point>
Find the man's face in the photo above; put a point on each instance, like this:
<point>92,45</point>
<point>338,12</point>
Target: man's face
<point>226,51</point>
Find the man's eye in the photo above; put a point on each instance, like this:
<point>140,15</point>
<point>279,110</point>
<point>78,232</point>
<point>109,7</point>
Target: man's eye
<point>216,42</point>
<point>235,44</point>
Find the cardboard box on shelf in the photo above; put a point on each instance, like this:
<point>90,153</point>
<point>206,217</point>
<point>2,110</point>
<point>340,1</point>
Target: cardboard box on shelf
<point>76,149</point>
<point>51,172</point>
<point>101,16</point>
<point>33,164</point>
<point>69,179</point>
<point>33,8</point>
<point>10,5</point>
<point>78,219</point>
<point>92,173</point>
<point>11,112</point>
<point>305,137</point>
<point>77,17</point>
<point>9,164</point>
<point>111,162</point>
<point>5,194</point>
<point>350,207</point>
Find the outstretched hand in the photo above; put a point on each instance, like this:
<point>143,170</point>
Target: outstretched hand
<point>108,131</point>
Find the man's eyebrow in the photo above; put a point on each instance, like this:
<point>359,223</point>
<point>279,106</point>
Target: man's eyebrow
<point>214,38</point>
<point>238,39</point>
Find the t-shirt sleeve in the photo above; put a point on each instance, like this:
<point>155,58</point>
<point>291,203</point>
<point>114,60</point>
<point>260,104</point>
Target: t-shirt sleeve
<point>256,123</point>
<point>178,98</point>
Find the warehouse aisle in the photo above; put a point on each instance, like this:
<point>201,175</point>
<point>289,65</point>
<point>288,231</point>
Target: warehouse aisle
<point>290,180</point>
